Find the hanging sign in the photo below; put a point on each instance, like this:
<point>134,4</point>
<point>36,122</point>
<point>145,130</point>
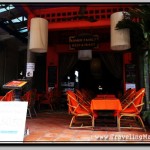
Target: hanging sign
<point>83,41</point>
<point>30,69</point>
<point>12,121</point>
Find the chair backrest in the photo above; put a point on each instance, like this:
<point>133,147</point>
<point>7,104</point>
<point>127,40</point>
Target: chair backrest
<point>80,97</point>
<point>127,93</point>
<point>74,106</point>
<point>139,97</point>
<point>78,92</point>
<point>136,103</point>
<point>71,98</point>
<point>9,96</point>
<point>128,96</point>
<point>124,94</point>
<point>34,94</point>
<point>86,94</point>
<point>51,96</point>
<point>28,97</point>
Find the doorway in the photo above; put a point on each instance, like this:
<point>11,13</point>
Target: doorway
<point>104,70</point>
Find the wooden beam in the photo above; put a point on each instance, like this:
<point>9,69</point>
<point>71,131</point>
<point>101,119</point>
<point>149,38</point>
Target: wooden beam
<point>78,25</point>
<point>27,10</point>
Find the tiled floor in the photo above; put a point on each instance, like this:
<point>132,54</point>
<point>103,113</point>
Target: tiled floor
<point>53,127</point>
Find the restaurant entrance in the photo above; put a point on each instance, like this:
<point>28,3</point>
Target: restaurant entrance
<point>98,79</point>
<point>101,74</point>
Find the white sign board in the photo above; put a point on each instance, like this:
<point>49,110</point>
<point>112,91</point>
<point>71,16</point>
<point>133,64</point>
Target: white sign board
<point>12,121</point>
<point>29,69</point>
<point>31,66</point>
<point>29,73</point>
<point>130,85</point>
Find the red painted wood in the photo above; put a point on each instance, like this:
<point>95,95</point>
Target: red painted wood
<point>127,58</point>
<point>78,25</point>
<point>57,18</point>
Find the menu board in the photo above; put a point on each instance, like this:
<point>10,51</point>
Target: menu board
<point>14,84</point>
<point>130,73</point>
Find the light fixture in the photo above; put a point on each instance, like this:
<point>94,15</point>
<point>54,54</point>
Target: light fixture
<point>120,39</point>
<point>95,65</point>
<point>85,54</point>
<point>38,35</point>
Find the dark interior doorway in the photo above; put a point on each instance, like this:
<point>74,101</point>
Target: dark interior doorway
<point>92,76</point>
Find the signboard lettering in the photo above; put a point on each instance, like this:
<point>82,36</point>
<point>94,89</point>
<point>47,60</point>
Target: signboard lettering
<point>13,119</point>
<point>83,41</point>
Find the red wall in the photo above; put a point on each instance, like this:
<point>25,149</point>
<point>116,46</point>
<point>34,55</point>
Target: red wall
<point>127,58</point>
<point>53,51</point>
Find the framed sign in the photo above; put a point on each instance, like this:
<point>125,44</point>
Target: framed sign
<point>83,41</point>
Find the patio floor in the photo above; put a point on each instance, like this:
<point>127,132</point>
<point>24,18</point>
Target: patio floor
<point>53,128</point>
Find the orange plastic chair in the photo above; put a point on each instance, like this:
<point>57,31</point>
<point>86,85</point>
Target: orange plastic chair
<point>78,110</point>
<point>9,96</point>
<point>29,97</point>
<point>55,99</point>
<point>133,109</point>
<point>88,95</point>
<point>124,94</point>
<point>81,98</point>
<point>47,100</point>
<point>129,94</point>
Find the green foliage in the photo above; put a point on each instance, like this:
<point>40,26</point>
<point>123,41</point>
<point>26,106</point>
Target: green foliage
<point>139,31</point>
<point>145,115</point>
<point>136,32</point>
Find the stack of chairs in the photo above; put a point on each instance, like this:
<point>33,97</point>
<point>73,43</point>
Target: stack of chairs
<point>82,98</point>
<point>88,94</point>
<point>30,98</point>
<point>132,108</point>
<point>77,110</point>
<point>51,99</point>
<point>55,100</point>
<point>127,96</point>
<point>46,99</point>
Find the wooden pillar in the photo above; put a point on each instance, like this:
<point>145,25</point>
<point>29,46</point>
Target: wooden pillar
<point>30,67</point>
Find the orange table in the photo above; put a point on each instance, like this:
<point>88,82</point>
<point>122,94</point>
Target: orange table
<point>106,104</point>
<point>105,96</point>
